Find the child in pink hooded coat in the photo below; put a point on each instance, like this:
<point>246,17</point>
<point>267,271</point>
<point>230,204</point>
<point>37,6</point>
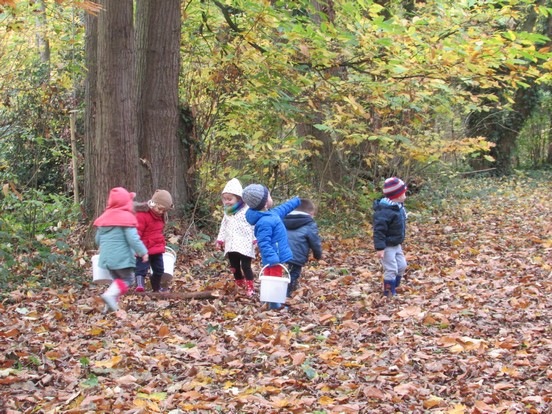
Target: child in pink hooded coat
<point>119,243</point>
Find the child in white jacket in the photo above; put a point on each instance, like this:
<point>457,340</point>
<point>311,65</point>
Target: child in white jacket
<point>236,236</point>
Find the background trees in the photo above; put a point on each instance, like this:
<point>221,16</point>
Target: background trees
<point>330,95</point>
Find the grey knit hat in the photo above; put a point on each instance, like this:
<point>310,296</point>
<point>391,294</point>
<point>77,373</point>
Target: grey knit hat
<point>255,196</point>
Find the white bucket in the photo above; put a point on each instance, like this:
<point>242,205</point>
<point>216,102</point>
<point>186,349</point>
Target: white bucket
<point>274,288</point>
<point>99,274</point>
<point>169,260</point>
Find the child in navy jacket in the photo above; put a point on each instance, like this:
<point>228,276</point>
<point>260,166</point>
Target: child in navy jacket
<point>270,231</point>
<point>389,232</point>
<point>303,237</point>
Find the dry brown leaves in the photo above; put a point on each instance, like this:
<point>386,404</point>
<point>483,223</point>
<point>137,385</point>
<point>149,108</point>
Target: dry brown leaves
<point>469,332</point>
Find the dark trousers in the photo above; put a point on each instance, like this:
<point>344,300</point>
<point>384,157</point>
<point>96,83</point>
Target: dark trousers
<point>294,273</point>
<point>156,264</point>
<point>126,275</point>
<point>240,265</point>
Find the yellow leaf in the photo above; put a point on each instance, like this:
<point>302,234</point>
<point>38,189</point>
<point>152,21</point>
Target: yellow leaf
<point>432,401</point>
<point>156,396</point>
<point>281,403</point>
<point>325,400</point>
<point>512,372</point>
<point>456,349</point>
<point>109,364</point>
<point>458,409</point>
<point>95,331</point>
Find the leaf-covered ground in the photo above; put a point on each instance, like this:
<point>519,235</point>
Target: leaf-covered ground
<point>470,331</point>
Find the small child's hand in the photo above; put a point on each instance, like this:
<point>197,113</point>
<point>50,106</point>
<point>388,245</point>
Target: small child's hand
<point>145,257</point>
<point>380,254</point>
<point>219,244</point>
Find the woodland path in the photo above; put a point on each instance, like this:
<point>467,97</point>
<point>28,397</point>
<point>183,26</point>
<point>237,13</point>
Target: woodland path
<point>470,331</point>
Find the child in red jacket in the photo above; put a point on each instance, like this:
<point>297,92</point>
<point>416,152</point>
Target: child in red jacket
<point>151,222</point>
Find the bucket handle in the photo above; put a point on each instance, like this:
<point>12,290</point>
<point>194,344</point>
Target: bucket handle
<point>286,274</point>
<point>170,250</point>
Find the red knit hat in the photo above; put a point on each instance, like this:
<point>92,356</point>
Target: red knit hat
<point>119,211</point>
<point>394,188</point>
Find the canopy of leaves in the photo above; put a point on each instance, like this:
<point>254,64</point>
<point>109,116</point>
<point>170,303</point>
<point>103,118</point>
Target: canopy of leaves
<point>388,85</point>
<point>379,80</point>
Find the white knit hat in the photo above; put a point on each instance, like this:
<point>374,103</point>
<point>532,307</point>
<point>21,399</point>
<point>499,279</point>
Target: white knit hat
<point>233,187</point>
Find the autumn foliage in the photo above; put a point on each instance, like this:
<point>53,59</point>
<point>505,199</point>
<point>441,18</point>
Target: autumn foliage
<point>468,333</point>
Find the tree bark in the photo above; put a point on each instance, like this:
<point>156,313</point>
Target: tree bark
<point>326,162</point>
<point>163,155</point>
<point>90,106</point>
<point>115,128</point>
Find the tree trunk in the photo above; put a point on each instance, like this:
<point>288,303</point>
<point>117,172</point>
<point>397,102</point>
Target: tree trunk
<point>90,102</point>
<point>115,141</point>
<point>327,163</point>
<point>503,129</point>
<point>42,42</point>
<point>549,146</point>
<point>163,155</point>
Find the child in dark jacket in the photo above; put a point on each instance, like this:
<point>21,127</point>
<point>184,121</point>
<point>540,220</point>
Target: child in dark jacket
<point>270,231</point>
<point>151,222</point>
<point>389,232</point>
<point>303,237</point>
<point>119,243</point>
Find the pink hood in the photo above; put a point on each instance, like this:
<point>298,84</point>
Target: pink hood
<point>119,211</point>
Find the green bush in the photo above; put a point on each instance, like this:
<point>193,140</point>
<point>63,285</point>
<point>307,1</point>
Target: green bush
<point>34,232</point>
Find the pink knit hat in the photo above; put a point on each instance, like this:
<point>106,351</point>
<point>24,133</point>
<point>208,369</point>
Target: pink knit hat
<point>119,211</point>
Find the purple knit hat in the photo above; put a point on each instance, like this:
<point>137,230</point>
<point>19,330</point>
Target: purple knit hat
<point>394,188</point>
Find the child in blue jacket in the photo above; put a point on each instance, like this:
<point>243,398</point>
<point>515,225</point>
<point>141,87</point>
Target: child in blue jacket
<point>389,224</point>
<point>302,232</point>
<point>270,231</point>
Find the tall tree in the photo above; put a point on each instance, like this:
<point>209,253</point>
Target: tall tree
<point>163,155</point>
<point>135,136</point>
<point>90,106</point>
<point>114,140</point>
<point>326,161</point>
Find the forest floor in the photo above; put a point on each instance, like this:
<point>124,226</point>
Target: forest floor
<point>469,332</point>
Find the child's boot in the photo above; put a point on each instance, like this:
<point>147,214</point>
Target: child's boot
<point>389,288</point>
<point>110,296</point>
<point>250,287</point>
<point>240,283</point>
<point>139,283</point>
<point>398,281</point>
<point>155,281</point>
